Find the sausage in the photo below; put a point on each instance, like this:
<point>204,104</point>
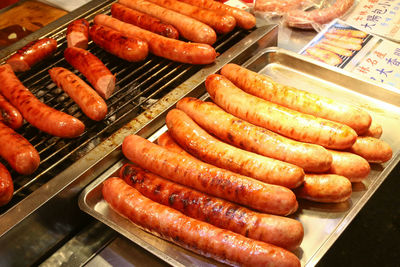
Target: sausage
<point>6,185</point>
<point>338,37</point>
<point>9,115</point>
<point>93,69</point>
<point>87,99</point>
<point>38,114</point>
<point>208,178</point>
<point>176,50</point>
<point>192,234</point>
<point>349,165</point>
<point>375,130</point>
<point>345,45</point>
<point>31,54</point>
<point>372,149</point>
<point>305,19</point>
<point>325,56</point>
<point>349,33</point>
<point>189,28</point>
<point>325,188</point>
<point>129,49</point>
<point>202,145</point>
<point>17,151</point>
<point>277,230</point>
<point>265,87</point>
<point>243,18</point>
<point>144,21</point>
<point>292,124</point>
<point>237,132</point>
<point>277,7</point>
<point>78,33</point>
<point>337,50</point>
<point>220,23</point>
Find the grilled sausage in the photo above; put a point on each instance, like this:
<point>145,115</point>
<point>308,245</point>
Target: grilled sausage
<point>93,69</point>
<point>114,42</point>
<point>325,188</point>
<point>375,130</point>
<point>209,149</point>
<point>337,50</point>
<point>277,230</point>
<point>349,33</point>
<point>87,99</point>
<point>325,56</point>
<point>6,185</point>
<point>345,45</point>
<point>40,115</point>
<point>17,151</point>
<point>176,50</point>
<point>372,149</point>
<point>9,115</point>
<point>192,234</point>
<point>291,123</point>
<point>349,165</point>
<point>347,39</point>
<point>265,87</point>
<point>78,33</point>
<point>207,178</point>
<point>144,21</point>
<point>220,23</point>
<point>243,18</point>
<point>310,157</point>
<point>31,54</point>
<point>189,28</point>
<point>305,19</point>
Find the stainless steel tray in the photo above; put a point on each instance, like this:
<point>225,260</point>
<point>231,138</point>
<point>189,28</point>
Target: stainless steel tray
<point>323,223</point>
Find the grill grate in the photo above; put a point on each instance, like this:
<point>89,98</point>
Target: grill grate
<point>138,85</point>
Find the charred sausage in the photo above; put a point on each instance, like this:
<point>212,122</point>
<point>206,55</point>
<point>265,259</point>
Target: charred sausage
<point>176,50</point>
<point>31,54</point>
<point>192,234</point>
<point>6,185</point>
<point>40,115</point>
<point>98,75</point>
<point>202,145</point>
<point>9,114</point>
<point>291,123</point>
<point>78,33</point>
<point>87,99</point>
<point>208,178</point>
<point>265,87</point>
<point>114,42</point>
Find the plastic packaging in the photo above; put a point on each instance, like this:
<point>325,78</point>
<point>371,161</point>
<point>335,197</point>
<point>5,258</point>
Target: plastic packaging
<point>273,9</point>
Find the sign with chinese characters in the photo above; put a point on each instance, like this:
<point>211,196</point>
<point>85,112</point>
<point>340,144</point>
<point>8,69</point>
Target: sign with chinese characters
<point>380,17</point>
<point>350,48</point>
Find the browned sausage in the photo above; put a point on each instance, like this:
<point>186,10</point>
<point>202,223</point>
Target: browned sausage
<point>311,157</point>
<point>265,87</point>
<point>325,188</point>
<point>93,69</point>
<point>372,149</point>
<point>220,23</point>
<point>192,234</point>
<point>291,123</point>
<point>17,151</point>
<point>78,34</point>
<point>176,50</point>
<point>207,178</point>
<point>347,39</point>
<point>87,99</point>
<point>6,185</point>
<point>189,28</point>
<point>243,18</point>
<point>349,165</point>
<point>144,21</point>
<point>209,149</point>
<point>114,42</point>
<point>31,54</point>
<point>375,130</point>
<point>9,114</point>
<point>277,230</point>
<point>41,116</point>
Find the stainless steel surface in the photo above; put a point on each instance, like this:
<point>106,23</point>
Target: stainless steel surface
<point>44,214</point>
<point>323,223</point>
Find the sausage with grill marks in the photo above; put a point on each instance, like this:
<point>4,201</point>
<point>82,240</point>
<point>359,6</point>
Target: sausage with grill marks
<point>9,114</point>
<point>277,230</point>
<point>78,34</point>
<point>192,234</point>
<point>38,114</point>
<point>208,178</point>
